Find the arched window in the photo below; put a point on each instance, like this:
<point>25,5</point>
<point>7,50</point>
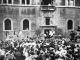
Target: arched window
<point>70,24</point>
<point>7,24</point>
<point>25,24</point>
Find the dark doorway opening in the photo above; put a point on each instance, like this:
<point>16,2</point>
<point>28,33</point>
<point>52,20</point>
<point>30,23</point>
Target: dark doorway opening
<point>46,31</point>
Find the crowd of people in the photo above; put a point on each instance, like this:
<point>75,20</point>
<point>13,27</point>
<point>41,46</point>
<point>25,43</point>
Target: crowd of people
<point>30,49</point>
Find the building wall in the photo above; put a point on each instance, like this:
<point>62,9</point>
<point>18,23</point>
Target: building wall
<point>69,13</point>
<point>36,18</point>
<point>60,18</point>
<point>17,14</point>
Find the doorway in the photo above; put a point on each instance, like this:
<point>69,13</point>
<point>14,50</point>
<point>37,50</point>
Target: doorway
<point>46,31</point>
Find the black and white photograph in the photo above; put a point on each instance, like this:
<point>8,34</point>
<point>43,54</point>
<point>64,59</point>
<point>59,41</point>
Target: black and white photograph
<point>39,29</point>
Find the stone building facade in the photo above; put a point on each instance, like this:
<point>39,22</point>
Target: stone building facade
<point>29,15</point>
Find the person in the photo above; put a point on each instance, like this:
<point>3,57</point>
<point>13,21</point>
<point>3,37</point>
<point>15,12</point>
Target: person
<point>72,36</point>
<point>51,33</point>
<point>77,37</point>
<point>2,53</point>
<point>18,55</point>
<point>45,36</point>
<point>39,57</point>
<point>78,28</point>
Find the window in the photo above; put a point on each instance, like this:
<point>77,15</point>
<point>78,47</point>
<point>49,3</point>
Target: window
<point>7,24</point>
<point>46,2</point>
<point>0,1</point>
<point>77,2</point>
<point>63,3</point>
<point>9,1</point>
<point>70,2</point>
<point>70,24</point>
<point>4,1</point>
<point>27,1</point>
<point>23,1</point>
<point>47,21</point>
<point>25,24</point>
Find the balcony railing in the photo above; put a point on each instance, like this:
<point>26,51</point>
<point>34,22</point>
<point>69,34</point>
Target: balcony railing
<point>47,8</point>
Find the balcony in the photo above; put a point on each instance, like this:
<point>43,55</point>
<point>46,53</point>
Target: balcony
<point>47,8</point>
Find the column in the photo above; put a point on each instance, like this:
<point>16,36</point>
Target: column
<point>12,2</point>
<point>30,2</point>
<point>74,2</point>
<point>66,2</point>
